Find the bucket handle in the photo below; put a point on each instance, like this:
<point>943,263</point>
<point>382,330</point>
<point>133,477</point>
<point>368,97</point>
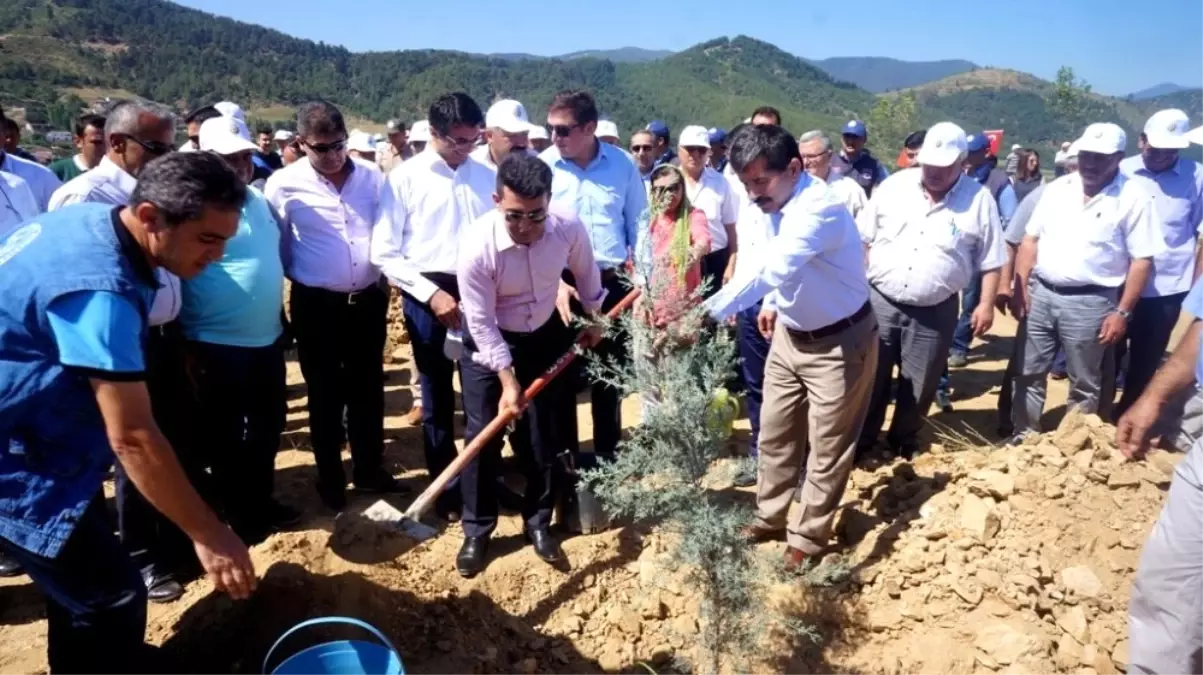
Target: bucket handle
<point>328,620</point>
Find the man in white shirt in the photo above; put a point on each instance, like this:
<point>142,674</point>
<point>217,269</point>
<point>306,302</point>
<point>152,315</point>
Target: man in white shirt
<point>41,180</point>
<point>818,375</point>
<point>928,229</point>
<point>507,130</point>
<point>19,203</point>
<point>329,201</point>
<point>816,159</point>
<point>425,204</point>
<point>1093,233</point>
<point>1176,184</point>
<point>710,193</point>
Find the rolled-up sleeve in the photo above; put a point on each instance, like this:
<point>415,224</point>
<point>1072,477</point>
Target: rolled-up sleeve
<point>478,301</point>
<point>100,333</point>
<point>388,237</point>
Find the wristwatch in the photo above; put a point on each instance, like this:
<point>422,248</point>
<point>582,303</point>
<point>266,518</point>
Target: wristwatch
<point>1124,313</point>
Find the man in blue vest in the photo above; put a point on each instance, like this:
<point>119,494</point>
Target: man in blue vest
<point>855,161</point>
<point>72,395</point>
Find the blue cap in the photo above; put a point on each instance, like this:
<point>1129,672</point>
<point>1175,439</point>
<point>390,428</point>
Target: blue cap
<point>976,142</point>
<point>717,136</point>
<point>658,128</point>
<point>853,128</point>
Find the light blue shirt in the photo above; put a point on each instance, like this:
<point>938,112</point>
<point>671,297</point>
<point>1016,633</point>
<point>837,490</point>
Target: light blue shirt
<point>1193,305</point>
<point>1007,204</point>
<point>1178,213</point>
<point>814,262</point>
<point>236,301</point>
<point>608,196</point>
<point>99,331</point>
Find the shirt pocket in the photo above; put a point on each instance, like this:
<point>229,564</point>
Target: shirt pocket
<point>1171,217</point>
<point>945,233</point>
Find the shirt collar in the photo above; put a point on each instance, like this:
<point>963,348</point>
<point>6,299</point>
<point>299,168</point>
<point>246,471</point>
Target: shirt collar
<point>313,172</point>
<point>114,174</point>
<point>132,251</point>
<point>501,236</point>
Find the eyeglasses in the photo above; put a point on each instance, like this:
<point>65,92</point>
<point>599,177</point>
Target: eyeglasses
<point>562,130</point>
<point>460,142</point>
<point>641,148</point>
<point>515,217</point>
<point>696,150</point>
<point>151,147</point>
<point>816,155</point>
<point>325,148</point>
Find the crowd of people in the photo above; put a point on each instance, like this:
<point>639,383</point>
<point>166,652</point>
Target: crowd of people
<point>163,340</point>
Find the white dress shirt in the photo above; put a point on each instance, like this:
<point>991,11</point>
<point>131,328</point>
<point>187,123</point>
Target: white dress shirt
<point>110,184</point>
<point>42,181</point>
<point>811,262</point>
<point>712,195</point>
<point>849,193</point>
<point>331,229</point>
<point>1177,196</point>
<point>18,203</point>
<point>424,206</point>
<point>1092,241</point>
<point>921,253</point>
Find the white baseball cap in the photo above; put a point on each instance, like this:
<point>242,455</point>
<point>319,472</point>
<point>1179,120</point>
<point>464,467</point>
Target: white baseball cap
<point>1196,135</point>
<point>1168,129</point>
<point>230,109</point>
<point>1072,151</point>
<point>283,135</point>
<point>509,116</point>
<point>605,129</point>
<point>225,136</point>
<point>694,136</point>
<point>539,132</point>
<point>420,132</point>
<point>360,141</point>
<point>1104,138</point>
<point>944,145</point>
<point>1016,146</point>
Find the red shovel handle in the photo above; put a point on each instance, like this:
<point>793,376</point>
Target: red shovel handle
<point>436,487</point>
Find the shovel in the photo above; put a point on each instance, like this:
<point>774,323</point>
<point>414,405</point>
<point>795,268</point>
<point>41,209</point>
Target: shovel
<point>410,522</point>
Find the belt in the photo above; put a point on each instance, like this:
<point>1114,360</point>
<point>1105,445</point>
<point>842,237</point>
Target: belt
<point>1087,289</point>
<point>832,329</point>
<point>341,297</point>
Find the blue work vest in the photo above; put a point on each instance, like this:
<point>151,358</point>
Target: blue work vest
<point>54,453</point>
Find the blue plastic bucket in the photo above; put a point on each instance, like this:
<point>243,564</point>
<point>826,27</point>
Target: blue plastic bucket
<point>342,657</point>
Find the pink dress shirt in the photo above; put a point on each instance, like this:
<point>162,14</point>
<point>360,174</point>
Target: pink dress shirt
<point>507,287</point>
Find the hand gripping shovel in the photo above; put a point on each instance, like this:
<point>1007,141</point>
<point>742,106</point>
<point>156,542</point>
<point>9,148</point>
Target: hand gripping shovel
<point>409,522</point>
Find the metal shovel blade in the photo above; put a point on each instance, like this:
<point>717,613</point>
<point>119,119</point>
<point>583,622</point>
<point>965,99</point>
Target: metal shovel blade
<point>386,514</point>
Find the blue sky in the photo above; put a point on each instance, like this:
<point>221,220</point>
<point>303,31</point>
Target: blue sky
<point>1117,46</point>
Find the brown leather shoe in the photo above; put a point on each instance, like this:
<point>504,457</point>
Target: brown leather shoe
<point>757,533</point>
<point>414,416</point>
<point>795,559</point>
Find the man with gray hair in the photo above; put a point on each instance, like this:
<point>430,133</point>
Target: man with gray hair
<point>816,159</point>
<point>927,229</point>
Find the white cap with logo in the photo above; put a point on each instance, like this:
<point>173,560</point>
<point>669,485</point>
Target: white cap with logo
<point>225,136</point>
<point>694,136</point>
<point>230,109</point>
<point>1104,138</point>
<point>1168,129</point>
<point>509,116</point>
<point>420,132</point>
<point>606,129</point>
<point>283,135</point>
<point>944,145</point>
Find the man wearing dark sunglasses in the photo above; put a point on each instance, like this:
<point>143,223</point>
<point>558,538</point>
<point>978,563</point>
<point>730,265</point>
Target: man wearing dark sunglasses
<point>509,273</point>
<point>601,184</point>
<point>425,205</point>
<point>643,149</point>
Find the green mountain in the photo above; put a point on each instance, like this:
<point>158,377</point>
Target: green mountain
<point>1156,91</point>
<point>880,74</point>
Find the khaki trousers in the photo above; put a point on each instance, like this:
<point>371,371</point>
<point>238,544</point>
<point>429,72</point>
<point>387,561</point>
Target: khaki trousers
<point>817,390</point>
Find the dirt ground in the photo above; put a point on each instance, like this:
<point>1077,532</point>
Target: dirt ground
<point>969,559</point>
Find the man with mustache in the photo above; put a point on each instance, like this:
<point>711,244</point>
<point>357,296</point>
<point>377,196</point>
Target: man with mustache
<point>1085,258</point>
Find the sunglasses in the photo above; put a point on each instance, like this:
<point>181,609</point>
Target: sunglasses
<point>641,148</point>
<point>324,148</point>
<point>515,217</point>
<point>562,130</point>
<point>151,147</point>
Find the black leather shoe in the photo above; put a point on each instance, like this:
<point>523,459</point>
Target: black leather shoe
<point>381,483</point>
<point>333,497</point>
<point>161,587</point>
<point>472,556</point>
<point>546,546</point>
<point>9,567</point>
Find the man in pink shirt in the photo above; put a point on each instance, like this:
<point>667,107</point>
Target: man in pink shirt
<point>509,274</point>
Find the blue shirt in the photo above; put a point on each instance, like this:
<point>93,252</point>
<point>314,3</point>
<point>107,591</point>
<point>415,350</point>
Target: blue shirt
<point>1193,305</point>
<point>236,301</point>
<point>815,262</point>
<point>98,331</point>
<point>607,195</point>
<point>1178,213</point>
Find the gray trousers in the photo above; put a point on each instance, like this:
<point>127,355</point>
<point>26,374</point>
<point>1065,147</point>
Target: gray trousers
<point>1165,612</point>
<point>1072,322</point>
<point>916,339</point>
